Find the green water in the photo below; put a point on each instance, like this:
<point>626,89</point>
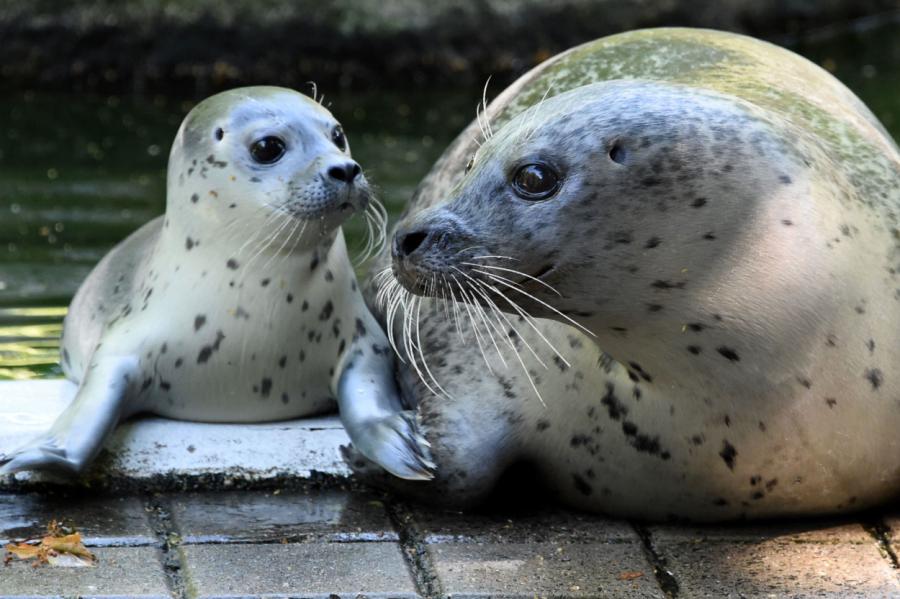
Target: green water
<point>78,174</point>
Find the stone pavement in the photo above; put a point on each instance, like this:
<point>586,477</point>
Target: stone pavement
<point>327,540</point>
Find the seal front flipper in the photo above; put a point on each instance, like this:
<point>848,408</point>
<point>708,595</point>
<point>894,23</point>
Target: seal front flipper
<point>78,434</point>
<point>374,416</point>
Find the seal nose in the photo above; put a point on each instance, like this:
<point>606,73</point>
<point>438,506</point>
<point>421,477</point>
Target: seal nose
<point>407,243</point>
<point>346,172</point>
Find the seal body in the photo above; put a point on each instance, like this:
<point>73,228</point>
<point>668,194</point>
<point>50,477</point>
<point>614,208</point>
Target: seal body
<point>240,303</point>
<point>704,229</point>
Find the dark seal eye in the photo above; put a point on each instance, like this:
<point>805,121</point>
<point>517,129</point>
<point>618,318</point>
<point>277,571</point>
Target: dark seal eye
<point>339,139</point>
<point>470,164</point>
<point>268,149</point>
<point>535,182</point>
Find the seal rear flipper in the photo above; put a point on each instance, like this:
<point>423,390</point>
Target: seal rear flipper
<point>375,419</point>
<point>78,434</point>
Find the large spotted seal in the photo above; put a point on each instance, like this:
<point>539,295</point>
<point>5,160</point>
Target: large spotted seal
<point>722,216</point>
<point>240,303</point>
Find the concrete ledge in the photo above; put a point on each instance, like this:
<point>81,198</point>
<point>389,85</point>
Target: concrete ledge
<point>160,453</point>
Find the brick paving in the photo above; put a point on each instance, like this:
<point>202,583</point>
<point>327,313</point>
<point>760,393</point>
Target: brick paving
<point>329,542</point>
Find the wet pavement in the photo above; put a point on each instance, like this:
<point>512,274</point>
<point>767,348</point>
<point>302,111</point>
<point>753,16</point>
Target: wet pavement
<point>331,540</point>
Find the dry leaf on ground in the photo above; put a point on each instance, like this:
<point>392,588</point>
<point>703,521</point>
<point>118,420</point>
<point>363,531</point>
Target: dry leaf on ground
<point>56,544</point>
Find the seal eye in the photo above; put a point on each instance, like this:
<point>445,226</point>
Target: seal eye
<point>535,182</point>
<point>339,139</point>
<point>470,164</point>
<point>267,150</point>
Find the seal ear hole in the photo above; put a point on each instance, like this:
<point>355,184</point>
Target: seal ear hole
<point>219,133</point>
<point>617,153</point>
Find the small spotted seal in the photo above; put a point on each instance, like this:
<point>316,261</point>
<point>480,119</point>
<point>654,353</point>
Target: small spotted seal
<point>705,228</point>
<point>240,303</point>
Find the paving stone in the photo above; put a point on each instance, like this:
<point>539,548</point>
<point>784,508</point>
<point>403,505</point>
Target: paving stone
<point>531,525</point>
<point>331,515</point>
<point>535,551</point>
<point>796,560</point>
<point>305,569</point>
<point>120,572</point>
<point>101,520</point>
<point>536,569</point>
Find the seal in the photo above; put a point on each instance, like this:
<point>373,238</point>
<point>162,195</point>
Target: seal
<point>240,304</point>
<point>678,251</point>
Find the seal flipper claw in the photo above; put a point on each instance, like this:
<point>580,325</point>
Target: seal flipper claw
<point>78,433</point>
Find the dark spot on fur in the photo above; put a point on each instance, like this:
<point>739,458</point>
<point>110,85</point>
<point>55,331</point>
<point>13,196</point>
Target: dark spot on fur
<point>614,407</point>
<point>728,454</point>
<point>265,387</point>
<point>654,307</point>
<point>831,402</point>
<point>327,309</point>
<point>232,264</point>
<point>652,243</point>
<point>874,376</point>
<point>265,282</point>
<point>694,349</point>
<point>189,244</point>
<point>329,276</point>
<point>582,485</point>
<point>289,298</point>
<point>199,321</point>
<point>542,425</point>
<point>282,361</point>
<point>728,353</point>
<point>195,198</point>
<point>787,222</point>
<point>785,179</point>
<point>698,202</point>
<point>695,327</point>
<point>207,350</point>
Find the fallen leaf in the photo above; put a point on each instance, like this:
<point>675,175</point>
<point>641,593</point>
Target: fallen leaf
<point>630,575</point>
<point>60,546</point>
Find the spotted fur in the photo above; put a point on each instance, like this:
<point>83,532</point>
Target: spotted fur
<point>727,228</point>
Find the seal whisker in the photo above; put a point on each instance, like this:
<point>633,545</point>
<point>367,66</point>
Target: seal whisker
<point>531,126</point>
<point>410,345</point>
<point>529,319</point>
<point>484,106</point>
<point>422,353</point>
<point>455,308</point>
<point>500,257</point>
<point>491,326</point>
<point>497,312</point>
<point>546,305</point>
<point>476,333</point>
<point>503,314</point>
<point>284,243</point>
<point>517,272</point>
<point>268,242</point>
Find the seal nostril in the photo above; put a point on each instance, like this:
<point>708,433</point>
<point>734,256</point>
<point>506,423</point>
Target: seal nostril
<point>411,242</point>
<point>345,172</point>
